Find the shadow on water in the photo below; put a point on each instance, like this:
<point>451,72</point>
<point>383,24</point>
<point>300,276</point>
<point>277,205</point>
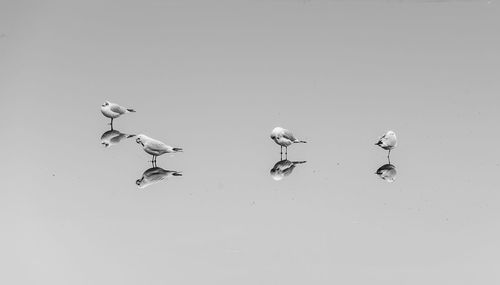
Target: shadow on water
<point>387,172</point>
<point>154,175</point>
<point>283,168</point>
<point>113,137</point>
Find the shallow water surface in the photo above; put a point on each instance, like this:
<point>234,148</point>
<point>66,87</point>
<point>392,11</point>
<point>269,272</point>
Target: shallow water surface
<point>82,204</point>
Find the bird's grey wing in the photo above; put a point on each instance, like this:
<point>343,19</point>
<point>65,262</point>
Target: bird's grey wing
<point>117,109</point>
<point>381,140</point>
<point>156,145</point>
<point>287,134</point>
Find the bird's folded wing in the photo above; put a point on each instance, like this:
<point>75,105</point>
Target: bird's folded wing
<point>381,140</point>
<point>117,109</point>
<point>287,134</point>
<point>157,145</point>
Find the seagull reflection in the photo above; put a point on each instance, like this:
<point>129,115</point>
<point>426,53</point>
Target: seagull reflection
<point>154,175</point>
<point>112,137</point>
<point>283,168</point>
<point>387,172</point>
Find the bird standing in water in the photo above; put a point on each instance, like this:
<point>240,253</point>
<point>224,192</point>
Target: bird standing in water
<point>113,111</point>
<point>388,142</point>
<point>155,147</point>
<point>284,138</point>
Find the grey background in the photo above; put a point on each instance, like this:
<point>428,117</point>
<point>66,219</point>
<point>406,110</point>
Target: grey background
<point>215,77</point>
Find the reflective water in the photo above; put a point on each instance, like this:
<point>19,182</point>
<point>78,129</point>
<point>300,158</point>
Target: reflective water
<point>215,79</point>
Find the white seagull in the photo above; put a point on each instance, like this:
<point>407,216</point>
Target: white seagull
<point>155,147</point>
<point>284,138</point>
<point>113,110</point>
<point>154,175</point>
<point>388,142</point>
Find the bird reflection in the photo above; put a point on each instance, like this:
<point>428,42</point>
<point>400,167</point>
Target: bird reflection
<point>112,137</point>
<point>387,172</point>
<point>283,168</point>
<point>154,175</point>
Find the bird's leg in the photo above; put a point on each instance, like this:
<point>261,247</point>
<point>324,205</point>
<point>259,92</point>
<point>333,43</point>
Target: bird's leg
<point>281,150</point>
<point>286,152</point>
<point>389,156</point>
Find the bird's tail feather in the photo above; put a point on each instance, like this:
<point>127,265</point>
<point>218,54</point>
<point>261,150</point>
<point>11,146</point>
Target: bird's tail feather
<point>178,149</point>
<point>131,110</point>
<point>299,162</point>
<point>130,136</point>
<point>177,174</point>
<point>300,142</point>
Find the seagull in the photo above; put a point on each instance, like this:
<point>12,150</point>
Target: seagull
<point>387,172</point>
<point>113,110</point>
<point>283,168</point>
<point>112,137</point>
<point>154,175</point>
<point>284,138</point>
<point>155,147</point>
<point>388,142</point>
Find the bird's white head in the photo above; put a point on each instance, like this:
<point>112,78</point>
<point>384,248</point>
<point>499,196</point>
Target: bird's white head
<point>276,132</point>
<point>140,139</point>
<point>106,103</point>
<point>391,135</point>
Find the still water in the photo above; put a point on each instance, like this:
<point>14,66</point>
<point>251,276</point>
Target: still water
<point>83,204</point>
